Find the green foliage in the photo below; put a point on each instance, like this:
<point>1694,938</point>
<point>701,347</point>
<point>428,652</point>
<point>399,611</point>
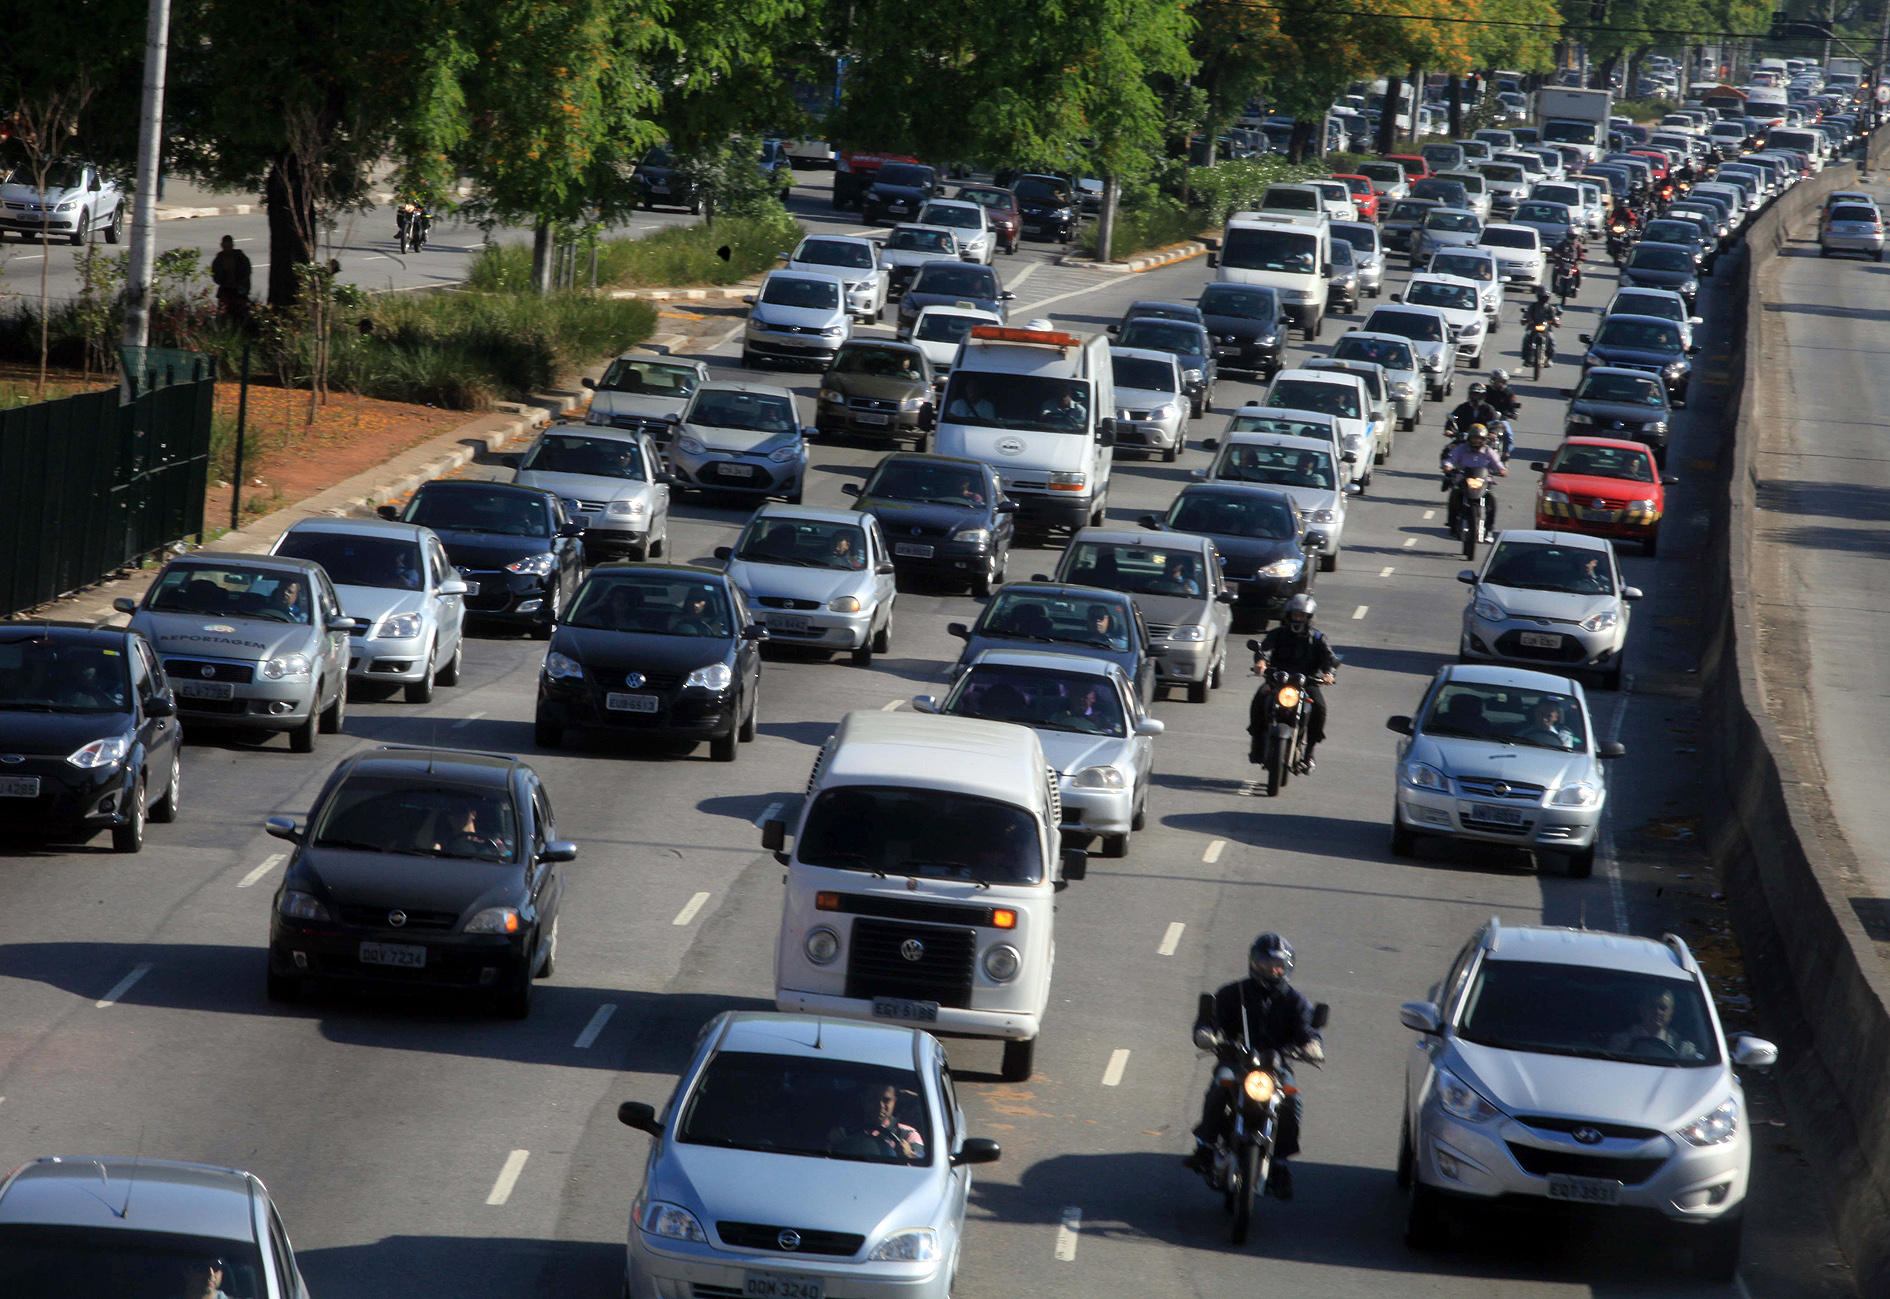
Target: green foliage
<point>733,182</point>
<point>1644,110</point>
<point>1152,217</point>
<point>674,257</point>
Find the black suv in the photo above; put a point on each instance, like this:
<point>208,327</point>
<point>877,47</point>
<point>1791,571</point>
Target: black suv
<point>1047,207</point>
<point>942,516</point>
<point>517,543</point>
<point>898,191</point>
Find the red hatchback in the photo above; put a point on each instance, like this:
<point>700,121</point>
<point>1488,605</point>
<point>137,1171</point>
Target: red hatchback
<point>1363,194</point>
<point>1000,209</point>
<point>1603,487</point>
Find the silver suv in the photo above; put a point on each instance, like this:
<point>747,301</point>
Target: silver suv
<point>1582,1071</point>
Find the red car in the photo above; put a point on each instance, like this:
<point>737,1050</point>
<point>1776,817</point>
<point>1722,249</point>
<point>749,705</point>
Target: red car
<point>1415,168</point>
<point>1000,209</point>
<point>1363,194</point>
<point>1603,487</point>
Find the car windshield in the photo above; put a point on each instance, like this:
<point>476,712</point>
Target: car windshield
<point>914,831</point>
<point>1363,239</point>
<point>960,218</point>
<point>1411,210</point>
<point>1627,389</point>
<point>1661,305</point>
<point>1139,570</point>
<point>1141,372</point>
<point>813,1106</point>
<point>1421,328</point>
<point>1555,214</point>
<point>1565,194</point>
<point>1641,335</point>
<point>216,591</point>
<point>1672,232</point>
<point>1043,191</point>
<point>1511,239</point>
<point>1336,399</point>
<point>46,676</point>
<point>945,327</point>
<point>956,280</point>
<point>992,198</point>
<point>1473,710</point>
<point>1228,514</point>
<point>654,604</point>
<point>349,559</point>
<point>1028,402</point>
<point>1507,172</point>
<point>1386,173</point>
<point>1159,335</point>
<point>411,814</point>
<point>795,291</point>
<point>36,1258</point>
<point>575,453</point>
<point>508,514</point>
<point>1291,200</point>
<point>834,252</point>
<point>1239,303</point>
<point>1603,462</point>
<point>1467,265</point>
<point>1082,702</point>
<point>1256,248</point>
<point>1568,133</point>
<point>1544,566</point>
<point>1381,351</point>
<point>881,360</point>
<point>905,174</point>
<point>803,543</point>
<point>1037,615</point>
<point>59,175</point>
<point>650,378</point>
<point>1342,256</point>
<point>907,240</point>
<point>1429,293</point>
<point>928,481</point>
<point>1453,222</point>
<point>1281,426</point>
<point>1550,1008</point>
<point>758,412</point>
<point>1279,466</point>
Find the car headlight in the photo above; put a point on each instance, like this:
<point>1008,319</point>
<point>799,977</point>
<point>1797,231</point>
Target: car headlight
<point>1675,369</point>
<point>1422,775</point>
<point>690,446</point>
<point>821,945</point>
<point>1579,418</point>
<point>402,626</point>
<point>286,666</point>
<point>1189,631</point>
<point>1288,567</point>
<point>100,753</point>
<point>597,417</point>
<point>533,565</point>
<point>67,206</point>
<point>672,1222</point>
<point>1715,1127</point>
<point>783,455</point>
<point>1580,794</point>
<point>1001,963</point>
<point>1403,389</point>
<point>1641,507</point>
<point>1603,621</point>
<point>1298,295</point>
<point>833,395</point>
<point>1353,441</point>
<point>1656,426</point>
<point>626,509</point>
<point>1322,516</point>
<point>834,331</point>
<point>917,1245</point>
<point>716,676</point>
<point>1099,778</point>
<point>973,537</point>
<point>1269,339</point>
<point>1167,410</point>
<point>1433,363</point>
<point>1061,214</point>
<point>301,906</point>
<point>1488,610</point>
<point>844,604</point>
<point>560,667</point>
<point>912,403</point>
<point>494,920</point>
<point>1459,1098</point>
<point>1069,481</point>
<point>1554,498</point>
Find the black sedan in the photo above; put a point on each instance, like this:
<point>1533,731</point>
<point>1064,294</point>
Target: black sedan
<point>1617,403</point>
<point>1663,266</point>
<point>1245,322</point>
<point>517,543</point>
<point>942,516</point>
<point>1256,531</point>
<point>1646,343</point>
<point>654,649</point>
<point>431,868</point>
<point>89,738</point>
<point>898,191</point>
<point>952,284</point>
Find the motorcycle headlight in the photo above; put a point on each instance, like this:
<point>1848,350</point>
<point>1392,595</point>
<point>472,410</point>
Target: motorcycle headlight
<point>301,906</point>
<point>1488,610</point>
<point>973,537</point>
<point>672,1222</point>
<point>1288,567</point>
<point>1190,631</point>
<point>626,509</point>
<point>1459,1098</point>
<point>1322,516</point>
<point>690,446</point>
<point>821,945</point>
<point>1001,963</point>
<point>1715,1127</point>
<point>100,753</point>
<point>1421,775</point>
<point>560,667</point>
<point>833,395</point>
<point>286,666</point>
<point>917,1245</point>
<point>1580,794</point>
<point>1603,621</point>
<point>1258,1086</point>
<point>1099,778</point>
<point>494,920</point>
<point>844,604</point>
<point>404,626</point>
<point>1554,498</point>
<point>533,565</point>
<point>1288,697</point>
<point>716,676</point>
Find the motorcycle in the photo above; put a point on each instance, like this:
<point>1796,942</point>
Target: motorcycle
<point>1620,244</point>
<point>1288,712</point>
<point>1537,346</point>
<point>1256,1087</point>
<point>413,225</point>
<point>1472,505</point>
<point>1568,280</point>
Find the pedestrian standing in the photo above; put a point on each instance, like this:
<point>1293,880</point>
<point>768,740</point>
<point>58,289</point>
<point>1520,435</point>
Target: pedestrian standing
<point>230,270</point>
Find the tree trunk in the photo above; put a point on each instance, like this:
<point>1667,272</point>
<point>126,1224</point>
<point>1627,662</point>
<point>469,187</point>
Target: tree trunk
<point>1603,75</point>
<point>541,258</point>
<point>1456,106</point>
<point>1106,220</point>
<point>1417,103</point>
<point>1388,114</point>
<point>289,245</point>
<point>1300,141</point>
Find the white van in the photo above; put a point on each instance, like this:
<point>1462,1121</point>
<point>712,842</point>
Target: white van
<point>1039,406</point>
<point>923,880</point>
<point>1290,252</point>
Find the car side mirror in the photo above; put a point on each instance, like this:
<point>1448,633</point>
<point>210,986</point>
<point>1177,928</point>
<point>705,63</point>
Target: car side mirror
<point>282,827</point>
<point>159,706</point>
<point>1630,593</point>
<point>1007,507</point>
<point>1397,297</point>
<point>754,631</point>
<point>589,382</point>
<point>664,480</point>
<point>749,298</point>
<point>977,1150</point>
<point>672,418</point>
<point>1113,329</point>
<point>1696,320</point>
<point>1750,1052</point>
<point>1150,522</point>
<point>339,624</point>
<point>884,570</point>
<point>1155,651</point>
<point>1608,749</point>
<point>388,512</point>
<point>125,604</point>
<point>1694,348</point>
<point>1150,726</point>
<point>924,704</point>
<point>1075,863</point>
<point>774,834</point>
<point>1400,724</point>
<point>1468,576</point>
<point>724,553</point>
<point>959,630</point>
<point>1006,295</point>
<point>849,489</point>
<point>1213,259</point>
<point>1421,1017</point>
<point>1586,338</point>
<point>1321,1014</point>
<point>1668,480</point>
<point>641,1116</point>
<point>558,850</point>
<point>1106,433</point>
<point>574,527</point>
<point>1350,458</point>
<point>1224,597</point>
<point>453,586</point>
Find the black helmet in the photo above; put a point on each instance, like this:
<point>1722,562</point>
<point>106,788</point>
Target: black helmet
<point>1477,390</point>
<point>1269,948</point>
<point>1542,293</point>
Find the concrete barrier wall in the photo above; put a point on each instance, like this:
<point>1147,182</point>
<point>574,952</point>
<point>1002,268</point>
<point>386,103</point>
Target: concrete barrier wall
<point>1817,981</point>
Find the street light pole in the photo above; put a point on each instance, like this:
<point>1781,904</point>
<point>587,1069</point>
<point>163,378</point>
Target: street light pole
<point>157,35</point>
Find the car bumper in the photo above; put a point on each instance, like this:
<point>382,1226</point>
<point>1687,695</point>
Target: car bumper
<point>1154,434</point>
<point>961,1021</point>
<point>946,559</point>
<point>1302,314</point>
<point>1052,510</point>
<point>728,474</point>
<point>1249,355</point>
<point>476,962</point>
<point>791,347</point>
<point>1267,595</point>
<point>1096,811</point>
<point>1620,524</point>
<point>33,225</point>
<point>1470,345</point>
<point>377,658</point>
<point>688,714</point>
<point>263,705</point>
<point>676,1270</point>
<point>617,535</point>
<point>1186,661</point>
<point>1456,817</point>
<point>1577,650</point>
<point>833,417</point>
<point>820,630</point>
<point>69,799</point>
<point>1852,243</point>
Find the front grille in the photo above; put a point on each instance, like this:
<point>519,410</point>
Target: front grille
<point>697,1290</point>
<point>1485,787</point>
<point>1510,645</point>
<point>1543,1163</point>
<point>1620,1131</point>
<point>1494,827</point>
<point>229,707</point>
<point>1159,630</point>
<point>616,678</point>
<point>584,507</point>
<point>878,968</point>
<point>756,1235</point>
<point>376,918</point>
<point>872,403</point>
<point>193,670</point>
<point>785,602</point>
<point>938,913</point>
<point>919,531</point>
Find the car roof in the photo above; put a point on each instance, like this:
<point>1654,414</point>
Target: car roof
<point>234,559</point>
<point>974,756</point>
<point>1136,537</point>
<point>1071,589</point>
<point>691,571</point>
<point>380,527</point>
<point>1432,277</point>
<point>1650,320</point>
<point>1257,438</point>
<point>676,362</point>
<point>1549,537</point>
<point>953,202</point>
<point>1376,335</point>
<point>890,1046</point>
<point>603,432</point>
<point>941,309</point>
<point>458,766</point>
<point>116,1193</point>
<point>782,273</point>
<point>1149,304</point>
<point>1050,660</point>
<point>468,486</point>
<point>930,457</point>
<point>1554,945</point>
<point>1511,225</point>
<point>807,513</point>
<point>1394,308</point>
<point>1629,370</point>
<point>1254,408</point>
<point>736,385</point>
<point>1615,444</point>
<point>1321,376</point>
<point>63,633</point>
<point>840,239</point>
<point>1479,251</point>
<point>1490,674</point>
<point>1219,487</point>
<point>1144,354</point>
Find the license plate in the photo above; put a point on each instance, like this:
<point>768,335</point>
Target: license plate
<point>912,550</point>
<point>659,189</point>
<point>773,1285</point>
<point>1031,229</point>
<point>204,689</point>
<point>899,1008</point>
<point>895,207</point>
<point>1540,640</point>
<point>1500,815</point>
<point>395,954</point>
<point>630,703</point>
<point>738,471</point>
<point>1584,1190</point>
<point>786,622</point>
<point>1599,516</point>
<point>19,786</point>
<point>872,417</point>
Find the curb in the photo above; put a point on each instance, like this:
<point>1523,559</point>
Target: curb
<point>730,293</point>
<point>1141,261</point>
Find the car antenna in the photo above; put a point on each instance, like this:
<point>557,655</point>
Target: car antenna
<point>433,747</point>
<point>124,1210</point>
<point>817,1031</point>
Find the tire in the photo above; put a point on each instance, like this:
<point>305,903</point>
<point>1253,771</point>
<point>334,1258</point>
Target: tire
<point>882,639</point>
<point>449,675</point>
<point>115,231</point>
<point>863,656</point>
<point>1329,563</point>
<point>983,584</point>
<point>1715,1249</point>
<point>1651,546</point>
<point>1407,1160</point>
<point>333,716</point>
<point>1017,1060</point>
<point>421,691</point>
<point>1470,534</point>
<point>516,1004</point>
<point>81,230</point>
<point>1198,691</point>
<point>1611,679</point>
<point>1425,1227</point>
<point>746,734</point>
<point>750,361</point>
<point>1276,774</point>
<point>1581,864</point>
<point>1249,1192</point>
<point>1217,674</point>
<point>722,747</point>
<point>129,837</point>
<point>1115,845</point>
<point>281,987</point>
<point>1197,409</point>
<point>1172,454</point>
<point>302,738</point>
<point>164,811</point>
<point>549,965</point>
<point>1140,820</point>
<point>1403,843</point>
<point>547,735</point>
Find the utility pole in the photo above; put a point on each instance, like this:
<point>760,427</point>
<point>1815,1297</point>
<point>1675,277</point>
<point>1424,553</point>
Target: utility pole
<point>157,38</point>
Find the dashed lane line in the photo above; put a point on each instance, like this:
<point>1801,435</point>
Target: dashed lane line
<point>1118,1061</point>
<point>1066,1233</point>
<point>596,1026</point>
<point>466,721</point>
<point>1172,939</point>
<point>891,705</point>
<point>508,1177</point>
<point>267,864</point>
<point>123,986</point>
<point>1360,612</point>
<point>690,908</point>
<point>1410,542</point>
<point>1212,853</point>
<point>1430,514</point>
<point>768,814</point>
<point>1386,572</point>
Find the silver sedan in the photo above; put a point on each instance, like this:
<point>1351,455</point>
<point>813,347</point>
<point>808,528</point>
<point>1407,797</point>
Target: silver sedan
<point>818,578</point>
<point>614,479</point>
<point>1552,600</point>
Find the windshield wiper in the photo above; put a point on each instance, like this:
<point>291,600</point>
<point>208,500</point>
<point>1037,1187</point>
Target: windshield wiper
<point>953,866</point>
<point>23,706</point>
<point>353,845</point>
<point>827,858</point>
<point>793,561</point>
<point>1020,635</point>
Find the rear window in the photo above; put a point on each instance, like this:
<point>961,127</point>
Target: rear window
<point>1140,372</point>
<point>1512,239</point>
<point>1854,214</point>
<point>1292,200</point>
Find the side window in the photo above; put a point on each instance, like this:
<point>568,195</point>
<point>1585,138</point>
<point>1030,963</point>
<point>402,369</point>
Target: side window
<point>159,683</point>
<point>544,828</point>
<point>441,564</point>
<point>283,1256</point>
<point>949,1095</point>
<point>141,674</point>
<point>1452,987</point>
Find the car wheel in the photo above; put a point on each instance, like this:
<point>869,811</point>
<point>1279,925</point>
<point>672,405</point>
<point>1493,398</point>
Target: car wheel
<point>164,810</point>
<point>336,713</point>
<point>1581,864</point>
<point>1218,673</point>
<point>1017,1061</point>
<point>1715,1249</point>
<point>1329,563</point>
<point>542,628</point>
<point>547,734</point>
<point>1198,691</point>
<point>129,837</point>
<point>1115,845</point>
<point>863,656</point>
<point>1173,453</point>
<point>517,1004</point>
<point>882,639</point>
<point>1403,842</point>
<point>1651,545</point>
<point>1425,1226</point>
<point>549,965</point>
<point>449,675</point>
<point>79,232</point>
<point>281,987</point>
<point>983,584</point>
<point>722,747</point>
<point>1197,408</point>
<point>421,691</point>
<point>302,738</point>
<point>1140,820</point>
<point>116,229</point>
<point>1406,1159</point>
<point>747,734</point>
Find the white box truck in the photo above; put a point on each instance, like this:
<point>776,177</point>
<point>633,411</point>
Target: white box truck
<point>1569,115</point>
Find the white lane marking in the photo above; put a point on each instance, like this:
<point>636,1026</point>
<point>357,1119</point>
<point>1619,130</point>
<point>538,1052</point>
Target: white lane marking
<point>690,908</point>
<point>1017,280</point>
<point>1611,869</point>
<point>1172,939</point>
<point>1386,572</point>
<point>1118,1061</point>
<point>268,864</point>
<point>1066,1233</point>
<point>891,705</point>
<point>1739,1287</point>
<point>1410,542</point>
<point>1430,514</point>
<point>508,1177</point>
<point>123,986</point>
<point>466,721</point>
<point>1212,853</point>
<point>596,1026</point>
<point>768,814</point>
<point>1360,612</point>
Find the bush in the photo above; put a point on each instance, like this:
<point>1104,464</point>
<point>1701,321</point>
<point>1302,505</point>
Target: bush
<point>1150,218</point>
<point>676,257</point>
<point>1644,110</point>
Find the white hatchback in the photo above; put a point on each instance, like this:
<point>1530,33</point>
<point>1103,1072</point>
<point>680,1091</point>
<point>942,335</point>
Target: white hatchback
<point>1462,308</point>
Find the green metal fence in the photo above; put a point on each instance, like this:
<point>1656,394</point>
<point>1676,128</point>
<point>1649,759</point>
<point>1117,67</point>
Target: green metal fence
<point>90,483</point>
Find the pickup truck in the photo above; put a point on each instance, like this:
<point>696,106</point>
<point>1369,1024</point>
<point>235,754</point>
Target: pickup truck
<point>78,200</point>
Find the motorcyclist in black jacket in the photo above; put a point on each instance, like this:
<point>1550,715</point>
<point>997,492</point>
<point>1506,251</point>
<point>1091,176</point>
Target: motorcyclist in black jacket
<point>1293,646</point>
<point>1499,394</point>
<point>1266,1012</point>
<point>1473,409</point>
<point>1543,311</point>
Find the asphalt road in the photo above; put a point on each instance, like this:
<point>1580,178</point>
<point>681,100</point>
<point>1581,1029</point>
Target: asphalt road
<point>383,1128</point>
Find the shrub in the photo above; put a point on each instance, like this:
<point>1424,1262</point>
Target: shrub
<point>1644,110</point>
<point>1150,218</point>
<point>675,257</point>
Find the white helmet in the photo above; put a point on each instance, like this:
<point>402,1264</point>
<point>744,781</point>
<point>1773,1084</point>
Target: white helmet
<point>1501,376</point>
